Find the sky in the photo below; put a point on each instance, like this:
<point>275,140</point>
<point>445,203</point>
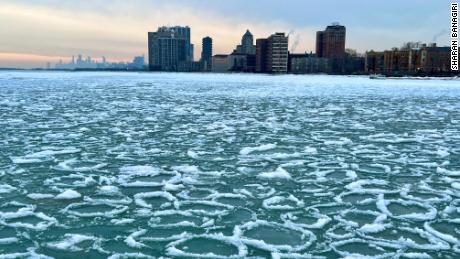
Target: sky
<point>33,32</point>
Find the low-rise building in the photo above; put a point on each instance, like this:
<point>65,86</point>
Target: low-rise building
<point>353,63</point>
<point>396,61</point>
<point>189,66</point>
<point>242,62</point>
<point>308,64</point>
<point>417,59</point>
<point>374,62</point>
<point>221,63</point>
<point>435,60</point>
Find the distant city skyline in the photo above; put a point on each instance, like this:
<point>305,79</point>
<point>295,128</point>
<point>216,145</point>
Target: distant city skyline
<point>34,32</point>
<point>87,62</point>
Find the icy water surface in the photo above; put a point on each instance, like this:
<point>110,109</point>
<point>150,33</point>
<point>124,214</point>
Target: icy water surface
<point>123,165</point>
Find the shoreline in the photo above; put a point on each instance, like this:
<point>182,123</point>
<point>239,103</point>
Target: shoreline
<point>371,76</point>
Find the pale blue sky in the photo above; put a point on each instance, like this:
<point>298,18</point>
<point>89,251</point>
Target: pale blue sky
<point>35,30</point>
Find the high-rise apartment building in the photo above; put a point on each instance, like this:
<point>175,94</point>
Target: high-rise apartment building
<point>168,47</point>
<point>272,54</point>
<point>278,53</point>
<point>206,53</point>
<point>330,44</point>
<point>261,55</point>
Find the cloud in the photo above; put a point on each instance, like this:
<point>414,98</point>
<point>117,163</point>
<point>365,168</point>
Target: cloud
<point>118,28</point>
<point>119,31</point>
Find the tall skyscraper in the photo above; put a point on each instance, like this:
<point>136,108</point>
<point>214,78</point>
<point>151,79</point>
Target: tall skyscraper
<point>247,45</point>
<point>278,53</point>
<point>206,53</point>
<point>169,47</point>
<point>261,55</point>
<point>330,44</point>
<point>272,54</point>
<point>243,58</point>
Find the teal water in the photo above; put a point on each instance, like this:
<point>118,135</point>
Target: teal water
<point>127,165</point>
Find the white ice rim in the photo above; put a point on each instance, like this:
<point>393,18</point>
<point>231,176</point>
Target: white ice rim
<point>46,222</point>
<point>378,245</point>
<point>139,198</point>
<point>377,225</point>
<point>129,180</point>
<point>117,209</point>
<point>366,201</point>
<point>221,208</point>
<point>155,220</point>
<point>231,240</point>
<point>321,220</point>
<point>276,203</point>
<point>435,243</point>
<point>271,247</point>
<point>80,181</point>
<point>446,237</point>
<point>382,205</point>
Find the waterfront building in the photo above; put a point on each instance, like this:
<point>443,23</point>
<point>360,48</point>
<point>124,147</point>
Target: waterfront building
<point>261,55</point>
<point>272,54</point>
<point>330,44</point>
<point>206,54</point>
<point>308,64</point>
<point>374,62</point>
<point>277,49</point>
<point>354,65</point>
<point>396,61</point>
<point>190,66</point>
<point>221,64</point>
<point>354,62</point>
<point>242,62</point>
<point>417,59</point>
<point>138,63</point>
<point>168,47</point>
<point>242,59</point>
<point>435,60</point>
<point>247,45</point>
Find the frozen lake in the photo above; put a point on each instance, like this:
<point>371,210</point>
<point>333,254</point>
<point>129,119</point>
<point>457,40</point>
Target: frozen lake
<point>128,165</point>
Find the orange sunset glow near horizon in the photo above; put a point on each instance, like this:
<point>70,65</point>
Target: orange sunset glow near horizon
<point>34,32</point>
